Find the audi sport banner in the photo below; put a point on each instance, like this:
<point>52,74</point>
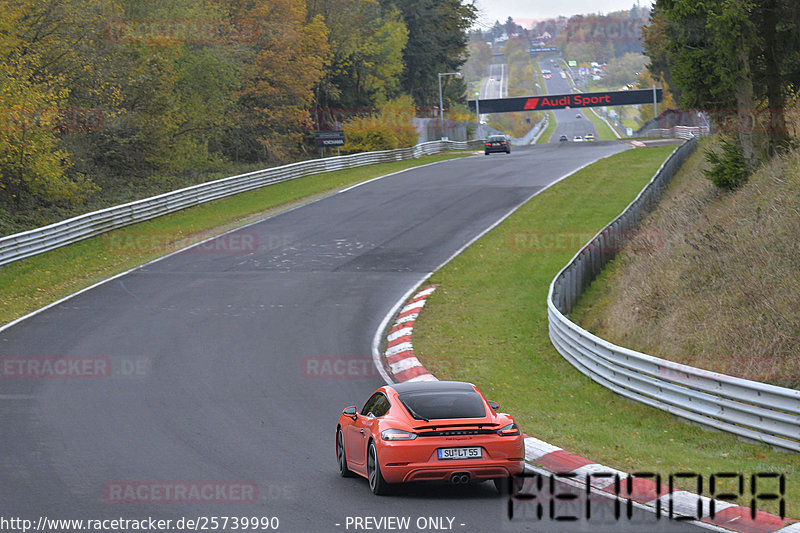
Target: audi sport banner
<point>561,101</point>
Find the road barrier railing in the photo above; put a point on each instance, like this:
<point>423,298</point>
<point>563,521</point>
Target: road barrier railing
<point>36,241</point>
<point>749,409</point>
<point>680,132</point>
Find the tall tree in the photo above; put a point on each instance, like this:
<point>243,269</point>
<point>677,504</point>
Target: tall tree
<point>366,42</point>
<point>437,40</point>
<point>289,61</point>
<point>174,72</point>
<point>655,45</point>
<point>779,66</point>
<point>37,38</point>
<point>707,48</point>
<point>726,54</point>
<point>735,41</point>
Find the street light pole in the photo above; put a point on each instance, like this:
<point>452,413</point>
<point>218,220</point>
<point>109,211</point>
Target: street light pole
<point>655,101</point>
<point>441,101</point>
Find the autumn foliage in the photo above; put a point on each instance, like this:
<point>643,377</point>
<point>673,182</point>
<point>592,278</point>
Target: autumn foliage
<point>388,129</point>
<point>106,100</point>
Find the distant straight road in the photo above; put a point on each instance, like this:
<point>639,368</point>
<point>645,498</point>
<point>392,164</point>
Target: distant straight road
<point>571,122</point>
<point>218,365</point>
<point>496,85</point>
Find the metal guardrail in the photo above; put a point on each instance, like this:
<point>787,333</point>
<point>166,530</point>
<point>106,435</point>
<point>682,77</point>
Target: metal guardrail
<point>533,133</point>
<point>749,409</point>
<point>680,132</point>
<point>36,241</point>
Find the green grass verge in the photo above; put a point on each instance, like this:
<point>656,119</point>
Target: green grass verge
<point>548,131</point>
<point>551,118</point>
<point>565,66</point>
<point>604,132</point>
<point>629,123</point>
<point>487,323</point>
<point>32,283</point>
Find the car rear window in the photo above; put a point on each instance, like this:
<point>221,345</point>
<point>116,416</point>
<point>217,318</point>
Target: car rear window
<point>497,138</point>
<point>437,405</point>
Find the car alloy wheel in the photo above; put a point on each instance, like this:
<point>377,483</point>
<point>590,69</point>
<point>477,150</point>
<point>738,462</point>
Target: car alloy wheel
<point>340,455</point>
<point>377,484</point>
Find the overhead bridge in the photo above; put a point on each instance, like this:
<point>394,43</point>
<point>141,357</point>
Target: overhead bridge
<point>569,100</point>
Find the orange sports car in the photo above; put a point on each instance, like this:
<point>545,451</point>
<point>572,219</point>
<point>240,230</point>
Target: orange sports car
<point>428,431</point>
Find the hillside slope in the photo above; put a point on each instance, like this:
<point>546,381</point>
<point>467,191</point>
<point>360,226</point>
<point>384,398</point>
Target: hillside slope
<point>720,288</point>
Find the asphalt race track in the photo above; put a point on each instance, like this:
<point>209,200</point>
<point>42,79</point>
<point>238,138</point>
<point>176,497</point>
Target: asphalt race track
<point>222,365</point>
<point>568,123</point>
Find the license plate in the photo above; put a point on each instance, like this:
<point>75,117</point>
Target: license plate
<point>459,453</point>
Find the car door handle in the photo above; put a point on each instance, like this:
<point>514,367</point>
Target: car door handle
<point>361,431</point>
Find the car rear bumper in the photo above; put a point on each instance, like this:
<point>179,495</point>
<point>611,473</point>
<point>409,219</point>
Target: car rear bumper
<point>418,460</point>
<point>477,472</point>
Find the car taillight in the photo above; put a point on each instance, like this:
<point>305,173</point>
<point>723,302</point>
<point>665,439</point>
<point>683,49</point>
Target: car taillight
<point>397,434</point>
<point>510,430</point>
<point>488,144</point>
<point>503,142</point>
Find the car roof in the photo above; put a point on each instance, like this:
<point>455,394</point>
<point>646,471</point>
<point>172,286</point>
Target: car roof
<point>432,386</point>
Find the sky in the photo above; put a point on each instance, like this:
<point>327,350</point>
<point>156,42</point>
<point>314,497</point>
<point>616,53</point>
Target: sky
<point>524,11</point>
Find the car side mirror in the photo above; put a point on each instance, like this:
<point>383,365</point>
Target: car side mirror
<point>351,411</point>
<point>494,405</point>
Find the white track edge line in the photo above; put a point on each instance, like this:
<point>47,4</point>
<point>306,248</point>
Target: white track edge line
<point>157,259</point>
<point>351,187</point>
<point>376,340</point>
<point>376,356</point>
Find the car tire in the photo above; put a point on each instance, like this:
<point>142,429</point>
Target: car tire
<point>377,484</point>
<point>485,153</point>
<point>341,456</point>
<point>502,485</point>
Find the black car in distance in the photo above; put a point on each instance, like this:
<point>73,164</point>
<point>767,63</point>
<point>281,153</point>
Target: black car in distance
<point>496,143</point>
